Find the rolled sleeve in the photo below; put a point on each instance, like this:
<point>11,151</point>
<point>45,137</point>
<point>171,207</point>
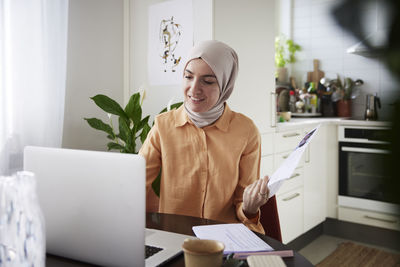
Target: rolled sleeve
<point>249,171</point>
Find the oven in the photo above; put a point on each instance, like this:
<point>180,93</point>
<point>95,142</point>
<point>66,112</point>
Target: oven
<point>363,152</point>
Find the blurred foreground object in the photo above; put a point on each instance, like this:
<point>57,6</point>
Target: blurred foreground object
<point>22,229</point>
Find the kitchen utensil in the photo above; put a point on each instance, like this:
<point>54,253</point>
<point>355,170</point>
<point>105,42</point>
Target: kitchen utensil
<point>335,96</point>
<point>371,109</point>
<point>315,75</point>
<point>325,81</point>
<point>355,93</point>
<point>293,82</point>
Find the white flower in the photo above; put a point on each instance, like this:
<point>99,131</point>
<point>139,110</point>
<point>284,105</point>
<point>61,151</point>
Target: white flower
<point>109,115</point>
<point>142,92</point>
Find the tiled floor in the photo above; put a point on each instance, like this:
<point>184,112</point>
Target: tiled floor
<point>324,245</point>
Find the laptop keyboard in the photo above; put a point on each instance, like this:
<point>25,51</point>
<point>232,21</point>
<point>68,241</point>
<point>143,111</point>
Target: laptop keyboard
<point>150,250</point>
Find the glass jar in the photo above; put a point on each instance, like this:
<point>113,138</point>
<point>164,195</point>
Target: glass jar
<point>22,229</point>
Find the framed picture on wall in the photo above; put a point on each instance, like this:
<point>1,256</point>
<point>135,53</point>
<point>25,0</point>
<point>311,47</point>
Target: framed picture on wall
<point>170,38</point>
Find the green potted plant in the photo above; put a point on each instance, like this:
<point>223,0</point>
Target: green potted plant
<point>132,127</point>
<point>285,50</point>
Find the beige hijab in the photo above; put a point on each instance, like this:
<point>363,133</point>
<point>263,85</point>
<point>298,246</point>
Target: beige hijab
<point>223,61</point>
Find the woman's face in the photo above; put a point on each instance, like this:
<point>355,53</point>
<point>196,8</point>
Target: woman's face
<point>200,86</point>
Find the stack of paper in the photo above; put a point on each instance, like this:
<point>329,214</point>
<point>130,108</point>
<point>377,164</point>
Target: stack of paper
<point>236,237</point>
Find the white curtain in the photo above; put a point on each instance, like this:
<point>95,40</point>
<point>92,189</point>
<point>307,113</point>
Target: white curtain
<point>33,50</point>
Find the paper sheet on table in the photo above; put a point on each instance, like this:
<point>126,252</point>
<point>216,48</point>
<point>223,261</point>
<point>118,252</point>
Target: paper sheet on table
<point>287,167</point>
<point>235,236</point>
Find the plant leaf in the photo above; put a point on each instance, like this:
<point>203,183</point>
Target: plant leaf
<point>124,131</point>
<point>100,125</point>
<point>142,123</point>
<point>109,105</point>
<point>173,106</point>
<point>112,145</point>
<point>145,132</point>
<point>133,108</point>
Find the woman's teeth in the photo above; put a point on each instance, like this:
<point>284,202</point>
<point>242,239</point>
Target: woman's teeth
<point>196,99</point>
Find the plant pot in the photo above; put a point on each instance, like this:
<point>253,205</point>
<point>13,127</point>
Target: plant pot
<point>343,108</point>
<point>282,75</point>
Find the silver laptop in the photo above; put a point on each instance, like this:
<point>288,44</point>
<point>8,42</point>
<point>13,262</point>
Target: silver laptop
<point>94,207</point>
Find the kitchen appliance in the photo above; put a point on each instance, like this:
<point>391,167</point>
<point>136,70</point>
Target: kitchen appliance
<point>363,152</point>
<point>371,108</point>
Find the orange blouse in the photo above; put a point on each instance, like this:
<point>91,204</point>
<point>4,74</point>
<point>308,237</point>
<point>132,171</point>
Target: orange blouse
<point>204,170</point>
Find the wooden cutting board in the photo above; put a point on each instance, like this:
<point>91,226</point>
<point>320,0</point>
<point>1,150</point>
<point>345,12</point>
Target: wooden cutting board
<point>316,74</point>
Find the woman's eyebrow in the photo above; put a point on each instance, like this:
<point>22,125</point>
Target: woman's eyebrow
<point>206,75</point>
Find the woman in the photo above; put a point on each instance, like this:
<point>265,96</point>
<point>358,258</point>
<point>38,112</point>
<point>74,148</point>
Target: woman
<point>208,154</point>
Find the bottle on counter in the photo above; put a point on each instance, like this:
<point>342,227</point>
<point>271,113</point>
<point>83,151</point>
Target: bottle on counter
<point>292,101</point>
<point>313,97</point>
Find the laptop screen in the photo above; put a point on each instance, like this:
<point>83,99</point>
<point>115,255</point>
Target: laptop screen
<point>93,203</point>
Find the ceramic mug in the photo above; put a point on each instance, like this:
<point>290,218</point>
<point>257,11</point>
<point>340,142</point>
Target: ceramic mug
<point>202,252</point>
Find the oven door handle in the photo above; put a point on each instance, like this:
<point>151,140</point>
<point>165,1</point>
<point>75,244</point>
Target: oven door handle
<point>365,150</point>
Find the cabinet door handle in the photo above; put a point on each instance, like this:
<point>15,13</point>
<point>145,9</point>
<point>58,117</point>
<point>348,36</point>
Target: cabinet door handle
<point>285,157</point>
<point>291,135</point>
<point>291,197</point>
<point>380,219</point>
<point>273,109</point>
<point>294,175</point>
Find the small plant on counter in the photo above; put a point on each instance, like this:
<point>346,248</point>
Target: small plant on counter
<point>285,50</point>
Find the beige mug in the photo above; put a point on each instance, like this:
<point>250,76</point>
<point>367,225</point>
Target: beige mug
<point>202,252</point>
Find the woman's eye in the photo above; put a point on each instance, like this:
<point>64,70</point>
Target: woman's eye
<point>209,82</point>
<point>188,77</point>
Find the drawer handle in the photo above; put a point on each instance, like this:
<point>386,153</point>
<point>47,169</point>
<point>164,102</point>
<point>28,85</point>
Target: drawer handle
<point>285,157</point>
<point>380,219</point>
<point>291,135</point>
<point>291,197</point>
<point>294,175</point>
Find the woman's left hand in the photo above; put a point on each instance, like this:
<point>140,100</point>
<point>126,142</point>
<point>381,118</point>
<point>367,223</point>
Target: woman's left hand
<point>255,195</point>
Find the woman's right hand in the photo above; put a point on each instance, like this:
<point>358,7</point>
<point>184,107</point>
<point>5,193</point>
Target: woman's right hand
<point>255,195</point>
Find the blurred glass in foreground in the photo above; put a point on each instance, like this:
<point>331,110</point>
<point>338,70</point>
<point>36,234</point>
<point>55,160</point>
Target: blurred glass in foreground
<point>22,229</point>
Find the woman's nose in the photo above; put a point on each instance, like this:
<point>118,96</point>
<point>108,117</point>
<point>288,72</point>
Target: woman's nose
<point>196,87</point>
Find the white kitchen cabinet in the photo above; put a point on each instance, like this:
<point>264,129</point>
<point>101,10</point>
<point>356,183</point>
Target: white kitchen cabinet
<point>267,157</point>
<point>290,209</point>
<point>315,198</point>
<point>287,140</point>
<point>294,181</point>
<point>267,166</point>
<point>267,144</point>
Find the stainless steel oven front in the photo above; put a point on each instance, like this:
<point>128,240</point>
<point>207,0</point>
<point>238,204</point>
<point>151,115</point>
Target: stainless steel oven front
<point>363,152</point>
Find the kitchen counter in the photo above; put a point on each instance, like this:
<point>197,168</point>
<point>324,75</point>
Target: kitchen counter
<point>301,122</point>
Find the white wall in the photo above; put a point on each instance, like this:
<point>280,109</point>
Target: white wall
<point>316,31</point>
<point>250,30</point>
<point>95,66</point>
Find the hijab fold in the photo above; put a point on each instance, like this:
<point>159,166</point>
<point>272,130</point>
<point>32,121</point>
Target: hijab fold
<point>223,61</point>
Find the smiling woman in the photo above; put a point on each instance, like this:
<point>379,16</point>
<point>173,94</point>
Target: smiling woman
<point>208,154</point>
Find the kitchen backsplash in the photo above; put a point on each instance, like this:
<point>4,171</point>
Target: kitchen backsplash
<point>320,38</point>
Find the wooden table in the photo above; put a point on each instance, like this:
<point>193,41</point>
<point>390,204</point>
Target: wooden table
<point>183,225</point>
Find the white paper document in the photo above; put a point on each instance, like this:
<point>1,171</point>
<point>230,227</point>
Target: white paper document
<point>236,237</point>
<point>286,169</point>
